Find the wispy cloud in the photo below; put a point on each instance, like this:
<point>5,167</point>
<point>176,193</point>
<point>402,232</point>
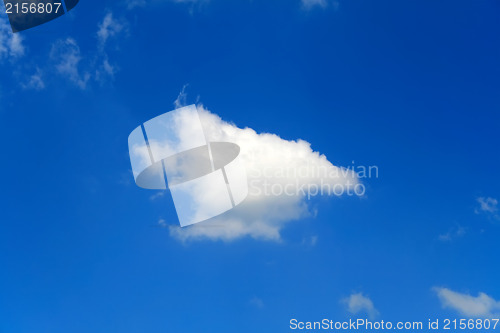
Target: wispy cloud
<point>488,206</point>
<point>109,27</point>
<point>67,57</point>
<point>157,195</point>
<point>35,81</point>
<point>162,223</point>
<point>131,4</point>
<point>357,303</point>
<point>82,68</point>
<point>481,305</point>
<point>308,4</point>
<point>310,241</point>
<point>11,45</point>
<point>105,70</point>
<point>180,101</point>
<point>191,4</point>
<point>452,234</point>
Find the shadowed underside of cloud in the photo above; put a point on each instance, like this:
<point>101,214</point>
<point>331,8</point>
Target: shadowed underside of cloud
<point>482,305</point>
<point>273,165</point>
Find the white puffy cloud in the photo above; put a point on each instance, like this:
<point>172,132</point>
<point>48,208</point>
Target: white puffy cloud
<point>11,44</point>
<point>481,305</point>
<point>282,174</point>
<point>357,303</point>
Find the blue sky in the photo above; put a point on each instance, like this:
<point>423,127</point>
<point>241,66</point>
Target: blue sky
<point>408,86</point>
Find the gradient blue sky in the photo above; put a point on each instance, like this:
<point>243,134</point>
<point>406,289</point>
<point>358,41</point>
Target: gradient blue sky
<point>409,86</point>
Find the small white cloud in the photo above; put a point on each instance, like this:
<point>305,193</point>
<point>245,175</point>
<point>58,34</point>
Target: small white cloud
<point>157,195</point>
<point>11,45</point>
<point>359,304</point>
<point>482,305</point>
<point>257,302</point>
<point>452,234</point>
<point>162,223</point>
<point>487,205</point>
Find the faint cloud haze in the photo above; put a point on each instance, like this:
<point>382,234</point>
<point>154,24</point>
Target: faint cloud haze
<point>308,4</point>
<point>35,81</point>
<point>452,234</point>
<point>257,302</point>
<point>181,99</point>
